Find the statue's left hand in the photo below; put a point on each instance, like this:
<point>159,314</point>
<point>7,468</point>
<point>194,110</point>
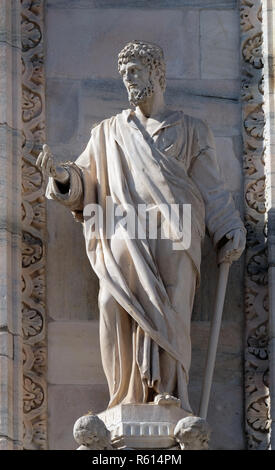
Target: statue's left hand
<point>233,249</point>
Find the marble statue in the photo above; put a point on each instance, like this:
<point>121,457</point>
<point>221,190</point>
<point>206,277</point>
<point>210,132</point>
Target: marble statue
<point>148,154</point>
<point>192,433</point>
<point>91,433</point>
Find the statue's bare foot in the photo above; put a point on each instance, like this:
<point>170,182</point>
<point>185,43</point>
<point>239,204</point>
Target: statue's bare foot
<point>166,399</point>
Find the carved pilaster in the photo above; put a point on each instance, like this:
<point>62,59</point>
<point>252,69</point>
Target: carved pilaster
<point>33,228</point>
<point>257,401</point>
<point>10,227</point>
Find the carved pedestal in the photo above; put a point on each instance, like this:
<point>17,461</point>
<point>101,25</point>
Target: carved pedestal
<point>142,426</point>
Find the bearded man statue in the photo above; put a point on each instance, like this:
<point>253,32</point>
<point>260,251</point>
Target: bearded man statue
<point>147,155</point>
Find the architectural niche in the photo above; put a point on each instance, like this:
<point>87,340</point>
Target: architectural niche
<point>257,399</point>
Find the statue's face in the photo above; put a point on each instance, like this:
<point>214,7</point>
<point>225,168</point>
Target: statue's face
<point>137,80</point>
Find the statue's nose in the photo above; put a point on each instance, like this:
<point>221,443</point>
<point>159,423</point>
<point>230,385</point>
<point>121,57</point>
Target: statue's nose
<point>128,77</point>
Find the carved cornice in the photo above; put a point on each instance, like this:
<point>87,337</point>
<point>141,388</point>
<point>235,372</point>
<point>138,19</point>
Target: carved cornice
<point>33,228</point>
<point>257,400</point>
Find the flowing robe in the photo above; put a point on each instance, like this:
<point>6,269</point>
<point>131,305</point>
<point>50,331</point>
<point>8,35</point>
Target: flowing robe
<point>147,288</point>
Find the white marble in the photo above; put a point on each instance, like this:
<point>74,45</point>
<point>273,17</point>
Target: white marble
<point>91,433</point>
<point>145,344</point>
<point>219,38</point>
<point>91,4</point>
<point>99,36</point>
<point>76,345</point>
<point>6,344</point>
<point>192,433</point>
<point>230,164</point>
<point>65,404</point>
<point>6,397</point>
<point>11,364</point>
<point>142,426</point>
<point>6,444</point>
<point>95,104</point>
<point>80,302</point>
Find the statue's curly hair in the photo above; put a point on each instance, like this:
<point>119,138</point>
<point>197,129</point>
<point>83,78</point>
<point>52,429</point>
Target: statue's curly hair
<point>149,54</point>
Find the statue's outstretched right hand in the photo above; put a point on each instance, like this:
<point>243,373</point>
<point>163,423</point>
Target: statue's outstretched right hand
<point>46,164</point>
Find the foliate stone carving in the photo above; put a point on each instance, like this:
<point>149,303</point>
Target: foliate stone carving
<point>33,323</point>
<point>257,403</point>
<point>40,434</point>
<point>258,343</point>
<point>34,358</point>
<point>255,195</point>
<point>252,51</point>
<point>32,249</point>
<point>31,34</point>
<point>257,268</point>
<point>34,228</point>
<point>253,160</point>
<point>258,415</point>
<point>32,104</point>
<point>245,22</point>
<point>37,63</point>
<point>33,395</point>
<point>254,123</point>
<point>31,178</point>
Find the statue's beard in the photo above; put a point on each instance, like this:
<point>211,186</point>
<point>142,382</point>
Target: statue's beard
<point>137,96</point>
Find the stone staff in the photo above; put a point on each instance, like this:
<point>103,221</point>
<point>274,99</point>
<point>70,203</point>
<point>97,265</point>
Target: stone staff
<point>224,262</point>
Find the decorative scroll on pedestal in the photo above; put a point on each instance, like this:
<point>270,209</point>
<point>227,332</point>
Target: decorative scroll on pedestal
<point>33,228</point>
<point>257,401</point>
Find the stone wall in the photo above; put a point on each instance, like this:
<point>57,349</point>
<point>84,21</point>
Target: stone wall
<point>201,44</point>
<point>11,370</point>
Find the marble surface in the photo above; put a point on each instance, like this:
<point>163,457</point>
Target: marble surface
<point>90,94</point>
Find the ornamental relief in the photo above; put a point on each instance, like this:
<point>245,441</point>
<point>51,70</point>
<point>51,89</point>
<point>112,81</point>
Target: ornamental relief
<point>245,21</point>
<point>255,195</point>
<point>254,123</point>
<point>257,415</point>
<point>34,229</point>
<point>32,137</point>
<point>257,401</point>
<point>32,104</point>
<point>32,250</point>
<point>34,285</point>
<point>31,34</point>
<point>257,268</point>
<point>33,395</point>
<point>35,358</point>
<point>253,159</point>
<point>34,214</point>
<point>258,342</point>
<point>37,62</point>
<point>40,434</point>
<point>32,324</point>
<point>36,434</point>
<point>31,178</point>
<point>252,51</point>
<point>251,235</point>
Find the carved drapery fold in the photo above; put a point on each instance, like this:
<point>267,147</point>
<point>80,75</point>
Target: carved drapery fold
<point>257,399</point>
<point>33,228</point>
